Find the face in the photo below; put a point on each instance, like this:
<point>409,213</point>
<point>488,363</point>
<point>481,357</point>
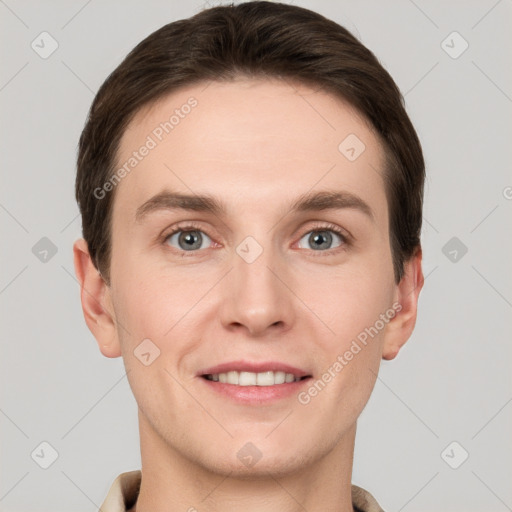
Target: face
<point>258,284</point>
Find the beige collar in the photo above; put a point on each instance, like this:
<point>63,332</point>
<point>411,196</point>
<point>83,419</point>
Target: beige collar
<point>124,491</point>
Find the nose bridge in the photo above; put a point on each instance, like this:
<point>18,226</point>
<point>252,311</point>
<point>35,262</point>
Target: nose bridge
<point>258,298</point>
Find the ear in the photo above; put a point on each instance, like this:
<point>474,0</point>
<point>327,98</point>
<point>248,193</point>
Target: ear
<point>96,300</point>
<point>400,327</point>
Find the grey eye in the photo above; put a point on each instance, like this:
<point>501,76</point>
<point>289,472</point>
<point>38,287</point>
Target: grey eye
<point>321,239</point>
<point>189,240</point>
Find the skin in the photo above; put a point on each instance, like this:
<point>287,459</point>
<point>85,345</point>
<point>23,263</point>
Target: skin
<point>257,145</point>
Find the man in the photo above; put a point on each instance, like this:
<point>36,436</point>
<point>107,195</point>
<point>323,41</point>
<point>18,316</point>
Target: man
<point>251,193</point>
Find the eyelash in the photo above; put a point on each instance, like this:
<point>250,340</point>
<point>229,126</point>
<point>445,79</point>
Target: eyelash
<point>191,226</point>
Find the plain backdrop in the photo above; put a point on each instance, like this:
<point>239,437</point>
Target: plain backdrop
<point>436,433</point>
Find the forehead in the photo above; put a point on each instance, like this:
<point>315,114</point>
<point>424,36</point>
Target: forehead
<point>250,142</point>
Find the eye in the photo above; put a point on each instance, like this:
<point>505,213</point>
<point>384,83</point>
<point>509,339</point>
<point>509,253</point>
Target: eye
<point>321,239</point>
<point>188,239</point>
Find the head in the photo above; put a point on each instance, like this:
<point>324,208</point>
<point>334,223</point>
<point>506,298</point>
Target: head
<point>287,135</point>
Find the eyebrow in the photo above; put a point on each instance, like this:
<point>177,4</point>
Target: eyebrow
<point>317,201</point>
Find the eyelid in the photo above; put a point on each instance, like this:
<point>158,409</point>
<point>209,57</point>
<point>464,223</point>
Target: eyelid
<point>186,225</point>
<point>329,226</point>
<point>190,225</point>
<point>346,238</point>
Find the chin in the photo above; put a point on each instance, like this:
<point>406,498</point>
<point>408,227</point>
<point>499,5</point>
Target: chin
<point>270,465</point>
<point>244,459</point>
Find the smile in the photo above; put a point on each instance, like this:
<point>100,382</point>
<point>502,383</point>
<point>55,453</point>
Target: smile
<point>242,378</point>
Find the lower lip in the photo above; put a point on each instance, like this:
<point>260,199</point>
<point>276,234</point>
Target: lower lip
<point>256,394</point>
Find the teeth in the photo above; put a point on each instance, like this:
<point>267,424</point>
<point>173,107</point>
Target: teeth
<point>253,379</point>
<point>289,377</point>
<point>232,378</point>
<point>244,378</point>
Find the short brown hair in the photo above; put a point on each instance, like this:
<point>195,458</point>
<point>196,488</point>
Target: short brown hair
<point>252,39</point>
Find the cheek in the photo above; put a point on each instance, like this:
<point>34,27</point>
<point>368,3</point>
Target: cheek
<point>153,314</point>
<point>152,308</point>
<point>166,308</point>
<point>351,354</point>
<point>350,299</point>
<point>146,300</point>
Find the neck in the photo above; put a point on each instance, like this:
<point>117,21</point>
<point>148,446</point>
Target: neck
<point>171,481</point>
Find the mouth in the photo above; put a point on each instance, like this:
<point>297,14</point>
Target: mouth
<point>263,379</point>
<point>254,383</point>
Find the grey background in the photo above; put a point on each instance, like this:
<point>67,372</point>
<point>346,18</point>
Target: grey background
<point>451,382</point>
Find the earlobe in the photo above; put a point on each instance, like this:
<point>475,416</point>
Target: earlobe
<point>96,301</point>
<point>400,328</point>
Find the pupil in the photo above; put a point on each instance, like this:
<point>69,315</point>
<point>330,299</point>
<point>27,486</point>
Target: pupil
<point>191,239</point>
<point>323,236</point>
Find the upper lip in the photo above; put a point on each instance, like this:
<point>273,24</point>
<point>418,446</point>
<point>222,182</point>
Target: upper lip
<point>254,367</point>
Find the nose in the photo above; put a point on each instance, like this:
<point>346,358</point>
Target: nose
<point>258,297</point>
